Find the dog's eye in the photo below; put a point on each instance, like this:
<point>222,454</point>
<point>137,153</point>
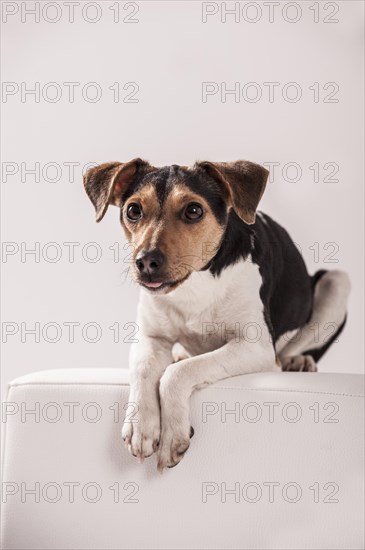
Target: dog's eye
<point>193,212</point>
<point>134,212</point>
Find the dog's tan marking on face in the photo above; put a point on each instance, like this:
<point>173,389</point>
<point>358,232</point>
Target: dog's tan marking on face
<point>187,247</point>
<point>141,234</point>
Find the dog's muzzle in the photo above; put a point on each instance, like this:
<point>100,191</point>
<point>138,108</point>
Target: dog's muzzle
<point>150,265</point>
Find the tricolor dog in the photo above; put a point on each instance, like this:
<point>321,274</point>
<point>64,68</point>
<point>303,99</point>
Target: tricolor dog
<point>224,289</point>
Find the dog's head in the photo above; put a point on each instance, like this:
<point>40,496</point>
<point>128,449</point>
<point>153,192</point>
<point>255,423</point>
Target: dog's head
<point>175,217</point>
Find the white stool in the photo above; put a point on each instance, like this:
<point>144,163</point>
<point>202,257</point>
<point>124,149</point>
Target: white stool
<point>276,462</point>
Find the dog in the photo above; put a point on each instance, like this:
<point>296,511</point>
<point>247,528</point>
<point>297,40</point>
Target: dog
<point>225,290</point>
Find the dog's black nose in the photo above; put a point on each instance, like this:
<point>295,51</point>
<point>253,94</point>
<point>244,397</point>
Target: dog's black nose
<point>150,262</point>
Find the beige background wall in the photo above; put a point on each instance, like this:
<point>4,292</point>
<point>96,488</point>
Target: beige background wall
<point>158,111</point>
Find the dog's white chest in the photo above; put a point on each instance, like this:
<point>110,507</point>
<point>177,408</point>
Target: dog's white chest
<point>206,311</point>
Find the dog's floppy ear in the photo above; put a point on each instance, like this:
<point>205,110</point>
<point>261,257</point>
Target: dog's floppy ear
<point>244,183</point>
<point>104,184</point>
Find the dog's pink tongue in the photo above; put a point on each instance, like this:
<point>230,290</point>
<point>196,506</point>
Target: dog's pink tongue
<point>153,285</point>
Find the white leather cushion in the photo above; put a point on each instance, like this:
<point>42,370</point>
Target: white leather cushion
<point>296,476</point>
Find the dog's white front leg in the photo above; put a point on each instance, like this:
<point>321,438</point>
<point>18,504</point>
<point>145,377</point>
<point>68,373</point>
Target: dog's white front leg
<point>180,379</point>
<point>148,360</point>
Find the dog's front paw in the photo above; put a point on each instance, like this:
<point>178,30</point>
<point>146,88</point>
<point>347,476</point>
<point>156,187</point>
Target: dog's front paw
<point>174,444</point>
<point>176,430</point>
<point>141,432</point>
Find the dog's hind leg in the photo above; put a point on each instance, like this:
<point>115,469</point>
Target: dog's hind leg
<point>179,352</point>
<point>327,321</point>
